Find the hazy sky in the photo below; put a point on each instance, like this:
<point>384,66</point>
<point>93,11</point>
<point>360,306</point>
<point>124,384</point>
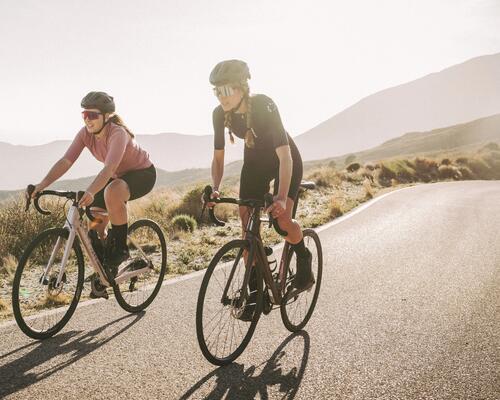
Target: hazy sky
<point>314,58</point>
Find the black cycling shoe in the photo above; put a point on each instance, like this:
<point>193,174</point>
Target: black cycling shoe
<point>116,256</point>
<point>251,302</point>
<point>304,277</point>
<point>97,290</point>
<point>248,312</point>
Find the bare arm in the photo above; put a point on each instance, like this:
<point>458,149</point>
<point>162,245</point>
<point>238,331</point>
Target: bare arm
<point>285,171</point>
<point>101,179</point>
<point>217,168</point>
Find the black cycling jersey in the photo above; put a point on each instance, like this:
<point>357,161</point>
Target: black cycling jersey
<point>267,126</point>
<point>260,163</point>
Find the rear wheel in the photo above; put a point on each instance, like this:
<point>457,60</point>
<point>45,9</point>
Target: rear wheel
<point>297,310</point>
<point>148,254</point>
<point>42,306</point>
<point>226,320</point>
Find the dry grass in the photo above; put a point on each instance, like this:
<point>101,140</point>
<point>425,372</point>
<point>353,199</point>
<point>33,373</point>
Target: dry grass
<point>3,306</point>
<point>337,193</point>
<point>367,185</point>
<point>50,301</point>
<point>17,228</point>
<point>8,268</point>
<point>336,208</point>
<point>326,177</point>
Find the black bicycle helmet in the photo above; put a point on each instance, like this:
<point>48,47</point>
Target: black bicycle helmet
<point>229,71</point>
<point>100,100</point>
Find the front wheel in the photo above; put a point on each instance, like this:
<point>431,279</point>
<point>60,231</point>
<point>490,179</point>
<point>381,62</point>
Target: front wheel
<point>297,310</point>
<point>148,257</point>
<point>227,312</point>
<point>41,305</point>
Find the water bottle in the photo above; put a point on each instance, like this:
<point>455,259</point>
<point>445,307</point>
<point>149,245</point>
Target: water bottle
<point>271,259</point>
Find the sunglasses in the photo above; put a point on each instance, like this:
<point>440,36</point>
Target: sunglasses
<point>223,91</point>
<point>91,115</point>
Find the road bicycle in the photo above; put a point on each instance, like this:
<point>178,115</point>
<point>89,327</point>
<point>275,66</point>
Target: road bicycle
<point>49,278</point>
<point>228,307</point>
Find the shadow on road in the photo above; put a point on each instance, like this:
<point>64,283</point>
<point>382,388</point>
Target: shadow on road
<point>70,346</point>
<point>234,382</point>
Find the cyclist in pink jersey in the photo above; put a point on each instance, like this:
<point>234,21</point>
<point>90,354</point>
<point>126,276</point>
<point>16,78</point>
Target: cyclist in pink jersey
<point>128,173</point>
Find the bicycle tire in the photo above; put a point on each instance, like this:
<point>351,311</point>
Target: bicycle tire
<point>288,306</point>
<point>17,304</point>
<point>124,297</point>
<point>228,248</point>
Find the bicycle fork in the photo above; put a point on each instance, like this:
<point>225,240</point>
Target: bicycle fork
<point>71,221</point>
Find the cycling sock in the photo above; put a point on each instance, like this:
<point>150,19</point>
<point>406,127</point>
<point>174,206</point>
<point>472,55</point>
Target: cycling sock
<point>120,235</point>
<point>300,249</point>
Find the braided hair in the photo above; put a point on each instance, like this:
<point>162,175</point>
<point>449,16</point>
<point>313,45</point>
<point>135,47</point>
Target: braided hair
<point>250,134</point>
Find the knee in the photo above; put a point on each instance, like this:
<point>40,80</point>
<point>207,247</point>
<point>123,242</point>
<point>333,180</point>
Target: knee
<point>116,191</point>
<point>285,221</point>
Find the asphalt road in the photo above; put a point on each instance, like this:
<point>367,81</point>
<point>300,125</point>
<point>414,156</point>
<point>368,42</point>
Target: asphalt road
<point>409,309</point>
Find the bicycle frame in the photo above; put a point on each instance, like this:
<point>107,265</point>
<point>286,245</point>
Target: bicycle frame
<point>253,235</point>
<point>75,228</point>
<point>258,253</point>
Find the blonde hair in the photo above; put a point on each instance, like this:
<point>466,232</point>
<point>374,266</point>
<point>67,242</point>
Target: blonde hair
<point>250,134</point>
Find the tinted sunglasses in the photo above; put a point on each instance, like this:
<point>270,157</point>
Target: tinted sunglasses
<point>223,91</point>
<point>91,115</point>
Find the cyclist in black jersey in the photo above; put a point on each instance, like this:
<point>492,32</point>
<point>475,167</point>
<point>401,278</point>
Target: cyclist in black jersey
<point>270,153</point>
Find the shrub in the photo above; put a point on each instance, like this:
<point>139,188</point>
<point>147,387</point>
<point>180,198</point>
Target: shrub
<point>336,209</point>
<point>462,160</point>
<point>190,204</point>
<point>493,160</point>
<point>366,173</point>
<point>445,161</point>
<point>185,223</point>
<point>385,175</point>
<point>369,167</point>
<point>480,168</point>
<point>325,177</point>
<point>18,228</point>
<point>158,211</point>
<point>449,172</point>
<point>353,167</point>
<point>426,170</point>
<point>466,173</point>
<point>368,189</point>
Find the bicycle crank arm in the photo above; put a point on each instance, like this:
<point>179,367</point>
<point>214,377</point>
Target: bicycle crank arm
<point>125,276</point>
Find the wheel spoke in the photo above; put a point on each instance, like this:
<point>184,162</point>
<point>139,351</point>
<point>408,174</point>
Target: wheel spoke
<point>221,334</point>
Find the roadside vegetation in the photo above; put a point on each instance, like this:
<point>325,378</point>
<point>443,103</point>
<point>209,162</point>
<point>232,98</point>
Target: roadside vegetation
<point>192,241</point>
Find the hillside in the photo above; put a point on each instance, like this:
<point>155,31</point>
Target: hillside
<point>455,95</point>
<point>467,136</point>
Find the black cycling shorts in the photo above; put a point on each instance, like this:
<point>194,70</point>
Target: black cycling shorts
<point>140,183</point>
<point>254,181</point>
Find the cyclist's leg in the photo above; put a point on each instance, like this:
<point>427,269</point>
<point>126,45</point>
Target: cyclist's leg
<point>130,186</point>
<point>254,183</point>
<point>285,221</point>
<point>98,207</point>
<point>304,277</point>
